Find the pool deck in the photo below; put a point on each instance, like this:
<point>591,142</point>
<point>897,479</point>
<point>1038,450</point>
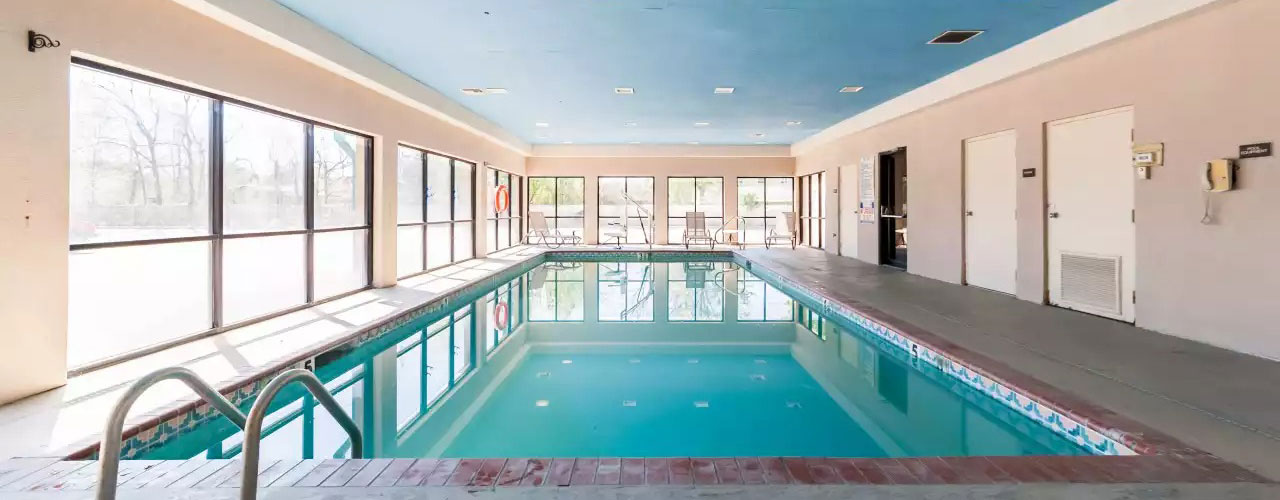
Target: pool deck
<point>1211,399</point>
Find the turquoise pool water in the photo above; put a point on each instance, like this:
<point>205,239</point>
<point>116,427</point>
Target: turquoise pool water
<point>635,359</point>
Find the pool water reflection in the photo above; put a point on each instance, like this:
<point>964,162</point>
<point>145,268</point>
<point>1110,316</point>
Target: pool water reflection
<point>635,359</point>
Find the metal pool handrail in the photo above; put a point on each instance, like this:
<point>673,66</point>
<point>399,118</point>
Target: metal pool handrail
<point>112,435</point>
<point>253,427</point>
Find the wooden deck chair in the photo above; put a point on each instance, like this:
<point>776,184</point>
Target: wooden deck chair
<point>695,229</point>
<point>783,230</point>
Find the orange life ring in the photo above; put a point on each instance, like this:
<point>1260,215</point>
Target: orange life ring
<point>500,315</point>
<point>501,199</point>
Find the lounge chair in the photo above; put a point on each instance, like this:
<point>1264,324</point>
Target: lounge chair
<point>695,229</point>
<point>552,238</point>
<point>784,230</point>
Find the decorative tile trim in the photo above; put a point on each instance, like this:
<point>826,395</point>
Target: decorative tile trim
<point>1097,441</point>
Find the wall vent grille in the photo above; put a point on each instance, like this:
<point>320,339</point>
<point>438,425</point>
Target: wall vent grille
<point>1091,282</point>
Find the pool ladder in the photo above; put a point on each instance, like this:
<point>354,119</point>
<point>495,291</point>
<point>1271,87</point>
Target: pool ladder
<point>112,436</point>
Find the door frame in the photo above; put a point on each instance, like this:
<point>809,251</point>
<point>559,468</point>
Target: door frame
<point>1047,169</point>
<point>964,206</point>
<point>886,243</point>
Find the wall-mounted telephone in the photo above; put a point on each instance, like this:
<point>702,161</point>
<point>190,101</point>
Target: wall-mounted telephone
<point>1218,176</point>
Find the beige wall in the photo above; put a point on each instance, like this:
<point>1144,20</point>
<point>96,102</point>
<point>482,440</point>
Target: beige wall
<point>168,41</point>
<point>592,168</point>
<point>1203,84</point>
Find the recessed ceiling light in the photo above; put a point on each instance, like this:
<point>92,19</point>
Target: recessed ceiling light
<point>701,124</point>
<point>634,142</point>
<point>541,124</point>
<point>850,89</point>
<point>473,91</point>
<point>495,90</point>
<point>694,143</point>
<point>761,142</point>
<point>792,123</point>
<point>624,90</point>
<point>567,142</point>
<point>954,37</point>
<point>758,134</point>
<point>630,124</point>
<point>724,90</point>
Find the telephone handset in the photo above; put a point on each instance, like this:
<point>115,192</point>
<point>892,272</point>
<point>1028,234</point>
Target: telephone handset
<point>1218,176</point>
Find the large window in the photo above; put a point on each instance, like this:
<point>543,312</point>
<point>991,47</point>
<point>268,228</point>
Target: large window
<point>813,209</point>
<point>191,212</point>
<point>506,210</point>
<point>761,203</point>
<point>561,200</point>
<point>433,211</point>
<point>693,194</point>
<point>619,214</point>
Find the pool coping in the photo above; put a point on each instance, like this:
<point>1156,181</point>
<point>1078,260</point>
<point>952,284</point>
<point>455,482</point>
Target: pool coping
<point>1165,452</point>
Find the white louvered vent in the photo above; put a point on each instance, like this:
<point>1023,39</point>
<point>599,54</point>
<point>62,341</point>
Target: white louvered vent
<point>1091,281</point>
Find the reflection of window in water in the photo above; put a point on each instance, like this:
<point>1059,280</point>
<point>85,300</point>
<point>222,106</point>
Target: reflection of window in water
<point>429,362</point>
<point>505,313</point>
<point>556,292</point>
<point>303,428</point>
<point>814,322</point>
<point>696,291</point>
<point>760,301</point>
<point>626,291</point>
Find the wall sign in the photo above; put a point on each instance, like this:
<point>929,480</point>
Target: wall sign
<point>867,190</point>
<point>1259,150</point>
<point>1028,172</point>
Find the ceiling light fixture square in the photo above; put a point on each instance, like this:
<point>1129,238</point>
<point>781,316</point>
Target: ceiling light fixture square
<point>850,89</point>
<point>495,90</point>
<point>472,91</point>
<point>701,124</point>
<point>724,90</point>
<point>630,124</point>
<point>792,123</point>
<point>624,90</point>
<point>541,124</point>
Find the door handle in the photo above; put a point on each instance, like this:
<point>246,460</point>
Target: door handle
<point>1053,215</point>
<point>968,213</point>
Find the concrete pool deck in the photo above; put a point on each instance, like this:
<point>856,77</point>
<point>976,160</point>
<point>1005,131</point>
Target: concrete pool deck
<point>1210,398</point>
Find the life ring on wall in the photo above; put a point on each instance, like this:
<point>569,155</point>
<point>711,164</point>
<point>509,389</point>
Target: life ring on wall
<point>500,315</point>
<point>501,200</point>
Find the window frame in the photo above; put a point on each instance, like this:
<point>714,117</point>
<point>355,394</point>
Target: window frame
<point>710,228</point>
<point>808,221</point>
<point>516,211</point>
<point>765,202</point>
<point>217,236</point>
<point>453,220</point>
<point>554,218</point>
<point>600,220</point>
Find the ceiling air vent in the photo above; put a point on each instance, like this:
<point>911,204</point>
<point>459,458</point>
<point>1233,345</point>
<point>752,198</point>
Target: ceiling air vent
<point>954,37</point>
<point>1091,282</point>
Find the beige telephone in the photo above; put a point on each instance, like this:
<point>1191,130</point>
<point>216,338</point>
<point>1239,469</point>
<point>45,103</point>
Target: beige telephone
<point>1219,175</point>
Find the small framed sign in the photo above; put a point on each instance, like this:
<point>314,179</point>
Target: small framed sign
<point>1259,150</point>
<point>1028,172</point>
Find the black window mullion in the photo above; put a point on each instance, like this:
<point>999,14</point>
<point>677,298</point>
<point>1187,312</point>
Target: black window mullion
<point>309,204</point>
<point>215,207</point>
<point>368,212</point>
<point>423,193</point>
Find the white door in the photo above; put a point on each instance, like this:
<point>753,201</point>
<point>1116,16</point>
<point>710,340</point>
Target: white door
<point>990,201</point>
<point>1091,241</point>
<point>848,213</point>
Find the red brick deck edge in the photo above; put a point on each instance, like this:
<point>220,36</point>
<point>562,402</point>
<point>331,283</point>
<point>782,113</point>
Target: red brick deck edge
<point>571,472</point>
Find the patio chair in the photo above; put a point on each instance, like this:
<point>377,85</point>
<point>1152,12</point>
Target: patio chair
<point>552,238</point>
<point>784,230</point>
<point>695,229</point>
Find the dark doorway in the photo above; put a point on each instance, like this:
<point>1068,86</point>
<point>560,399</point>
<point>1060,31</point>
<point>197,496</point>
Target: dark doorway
<point>893,208</point>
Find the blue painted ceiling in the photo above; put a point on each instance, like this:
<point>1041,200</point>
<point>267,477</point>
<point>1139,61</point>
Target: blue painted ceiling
<point>786,59</point>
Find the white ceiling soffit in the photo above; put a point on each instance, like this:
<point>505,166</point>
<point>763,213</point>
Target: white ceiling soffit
<point>659,151</point>
<point>1107,23</point>
<point>282,28</point>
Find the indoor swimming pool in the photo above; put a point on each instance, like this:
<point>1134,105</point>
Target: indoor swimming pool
<point>643,359</point>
